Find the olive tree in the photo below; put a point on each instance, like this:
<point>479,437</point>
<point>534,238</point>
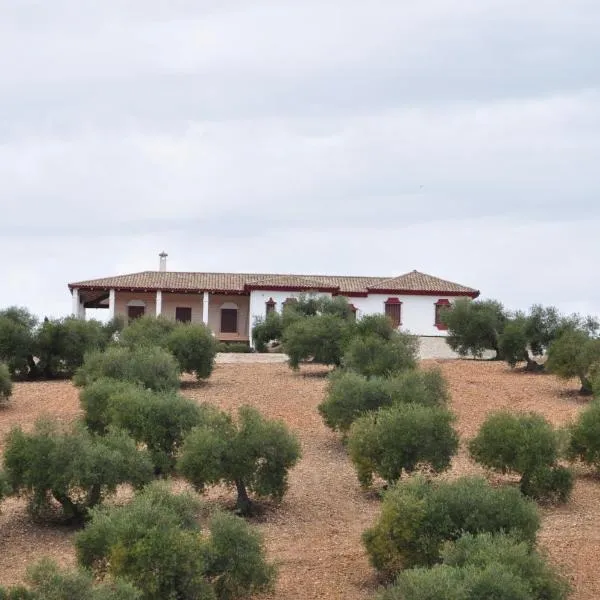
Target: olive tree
<point>350,395</point>
<point>574,354</point>
<point>17,341</point>
<point>157,543</point>
<point>402,439</point>
<point>73,468</point>
<point>46,581</point>
<point>418,516</point>
<point>194,347</point>
<point>375,356</point>
<point>320,338</point>
<point>475,326</point>
<point>253,454</point>
<point>584,442</point>
<point>148,366</point>
<point>268,329</point>
<point>524,444</point>
<point>482,566</point>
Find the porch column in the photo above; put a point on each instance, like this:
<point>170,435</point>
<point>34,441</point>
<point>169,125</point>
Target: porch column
<point>76,310</point>
<point>111,304</point>
<point>205,298</point>
<point>158,302</point>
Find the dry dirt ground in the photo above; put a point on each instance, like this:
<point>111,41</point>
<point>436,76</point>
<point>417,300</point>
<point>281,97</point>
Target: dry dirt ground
<point>314,536</point>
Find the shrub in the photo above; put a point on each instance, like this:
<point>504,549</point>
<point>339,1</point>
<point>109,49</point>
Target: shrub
<point>160,420</point>
<point>350,395</point>
<point>6,385</point>
<point>321,338</point>
<point>527,445</point>
<point>584,443</point>
<point>401,439</point>
<point>255,454</point>
<point>374,356</point>
<point>482,566</point>
<point>573,354</point>
<point>4,487</point>
<point>474,326</point>
<point>48,582</point>
<point>236,347</point>
<point>150,367</point>
<point>418,516</point>
<point>267,330</point>
<point>156,543</point>
<point>75,468</point>
<point>194,347</point>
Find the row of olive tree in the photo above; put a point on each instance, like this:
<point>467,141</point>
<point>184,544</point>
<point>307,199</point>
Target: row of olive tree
<point>571,343</point>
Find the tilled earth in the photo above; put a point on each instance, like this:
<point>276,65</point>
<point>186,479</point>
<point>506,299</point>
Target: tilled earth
<point>314,535</point>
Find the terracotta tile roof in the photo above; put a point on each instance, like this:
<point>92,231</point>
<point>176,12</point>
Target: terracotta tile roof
<point>241,282</point>
<point>415,281</point>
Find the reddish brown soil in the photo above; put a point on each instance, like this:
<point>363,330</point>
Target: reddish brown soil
<point>314,535</point>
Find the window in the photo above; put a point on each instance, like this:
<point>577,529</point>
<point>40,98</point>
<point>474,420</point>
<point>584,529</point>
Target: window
<point>229,320</point>
<point>133,312</point>
<point>441,306</point>
<point>270,306</point>
<point>183,314</point>
<point>393,310</point>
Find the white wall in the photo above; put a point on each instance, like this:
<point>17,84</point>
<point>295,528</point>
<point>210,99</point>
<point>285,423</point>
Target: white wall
<point>418,312</point>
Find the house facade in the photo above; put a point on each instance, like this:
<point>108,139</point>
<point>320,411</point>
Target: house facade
<point>230,303</point>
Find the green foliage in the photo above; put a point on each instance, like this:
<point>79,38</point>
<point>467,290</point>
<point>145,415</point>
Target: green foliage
<point>194,348</point>
<point>573,354</point>
<point>148,331</point>
<point>375,356</point>
<point>375,325</point>
<point>474,326</point>
<point>4,487</point>
<point>527,445</point>
<point>482,566</point>
<point>95,401</point>
<point>350,395</point>
<point>160,420</point>
<point>267,330</point>
<point>48,582</point>
<point>75,468</point>
<point>237,347</point>
<point>63,343</point>
<point>17,341</point>
<point>148,366</point>
<point>255,454</point>
<point>6,386</point>
<point>156,543</point>
<point>513,341</point>
<point>418,516</point>
<point>321,338</point>
<point>400,439</point>
<point>584,443</point>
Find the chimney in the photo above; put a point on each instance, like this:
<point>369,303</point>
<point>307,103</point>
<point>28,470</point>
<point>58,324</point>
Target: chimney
<point>162,265</point>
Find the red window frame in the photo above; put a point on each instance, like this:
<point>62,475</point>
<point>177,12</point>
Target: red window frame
<point>393,310</point>
<point>440,306</point>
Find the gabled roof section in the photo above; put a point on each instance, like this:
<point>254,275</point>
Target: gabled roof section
<point>232,283</point>
<point>416,282</point>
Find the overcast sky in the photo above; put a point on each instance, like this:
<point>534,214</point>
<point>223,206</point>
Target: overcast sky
<point>456,137</point>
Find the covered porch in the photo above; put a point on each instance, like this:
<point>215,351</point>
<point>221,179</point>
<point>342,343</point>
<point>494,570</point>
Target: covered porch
<point>227,315</point>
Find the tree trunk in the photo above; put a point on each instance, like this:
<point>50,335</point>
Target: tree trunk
<point>586,386</point>
<point>94,495</point>
<point>33,369</point>
<point>72,512</point>
<point>243,504</point>
<point>531,366</point>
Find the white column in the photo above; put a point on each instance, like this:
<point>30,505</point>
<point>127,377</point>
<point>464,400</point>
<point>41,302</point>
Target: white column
<point>111,304</point>
<point>158,302</point>
<point>205,297</point>
<point>76,308</point>
<point>81,311</point>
